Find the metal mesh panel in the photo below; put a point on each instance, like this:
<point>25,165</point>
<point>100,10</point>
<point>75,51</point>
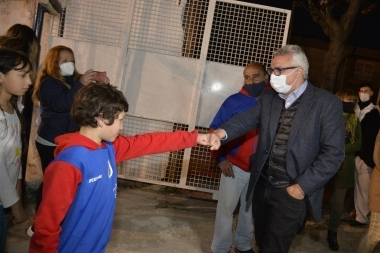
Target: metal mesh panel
<point>241,34</point>
<point>203,170</point>
<point>162,167</point>
<point>173,171</point>
<point>94,21</point>
<point>169,27</point>
<point>194,20</point>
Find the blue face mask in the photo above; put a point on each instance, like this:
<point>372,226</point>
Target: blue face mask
<point>255,89</point>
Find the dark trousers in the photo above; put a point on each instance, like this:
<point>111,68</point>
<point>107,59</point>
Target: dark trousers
<point>46,155</point>
<point>3,228</point>
<point>278,218</point>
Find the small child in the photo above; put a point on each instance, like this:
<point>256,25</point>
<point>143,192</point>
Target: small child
<point>79,193</point>
<point>14,82</point>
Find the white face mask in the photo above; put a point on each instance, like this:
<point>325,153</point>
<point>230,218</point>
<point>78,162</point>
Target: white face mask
<point>364,97</point>
<point>67,68</point>
<point>279,84</point>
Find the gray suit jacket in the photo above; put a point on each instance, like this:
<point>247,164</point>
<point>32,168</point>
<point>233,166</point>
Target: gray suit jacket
<point>316,141</point>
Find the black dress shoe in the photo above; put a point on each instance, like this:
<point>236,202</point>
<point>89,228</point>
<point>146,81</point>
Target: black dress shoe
<point>347,218</point>
<point>333,241</point>
<point>244,251</point>
<point>356,223</point>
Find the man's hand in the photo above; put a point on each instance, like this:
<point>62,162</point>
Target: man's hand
<point>226,167</point>
<point>296,191</point>
<point>215,138</point>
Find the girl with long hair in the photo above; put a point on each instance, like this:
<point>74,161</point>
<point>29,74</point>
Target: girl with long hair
<point>14,82</point>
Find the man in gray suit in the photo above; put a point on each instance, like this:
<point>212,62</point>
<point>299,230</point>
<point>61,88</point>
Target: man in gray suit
<point>301,147</point>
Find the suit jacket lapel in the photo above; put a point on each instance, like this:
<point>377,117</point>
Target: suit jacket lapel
<point>276,108</point>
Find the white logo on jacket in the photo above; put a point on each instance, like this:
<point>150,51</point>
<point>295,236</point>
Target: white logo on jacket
<point>110,170</point>
<point>94,179</point>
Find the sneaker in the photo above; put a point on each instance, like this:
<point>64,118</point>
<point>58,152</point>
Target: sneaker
<point>244,251</point>
<point>29,231</point>
<point>356,223</point>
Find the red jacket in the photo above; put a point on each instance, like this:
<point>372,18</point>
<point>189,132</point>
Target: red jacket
<point>65,186</point>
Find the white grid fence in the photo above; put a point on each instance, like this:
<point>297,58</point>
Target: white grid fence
<point>197,32</point>
<point>168,27</point>
<point>94,21</point>
<point>241,34</point>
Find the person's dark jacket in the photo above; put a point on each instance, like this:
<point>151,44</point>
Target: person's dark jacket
<point>370,125</point>
<point>316,142</point>
<point>56,100</point>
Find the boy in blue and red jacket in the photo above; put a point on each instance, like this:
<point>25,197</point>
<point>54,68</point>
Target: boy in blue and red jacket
<point>79,193</point>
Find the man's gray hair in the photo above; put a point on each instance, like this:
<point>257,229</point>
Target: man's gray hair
<point>298,55</point>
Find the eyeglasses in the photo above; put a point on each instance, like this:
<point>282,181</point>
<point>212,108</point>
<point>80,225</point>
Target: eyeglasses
<point>277,71</point>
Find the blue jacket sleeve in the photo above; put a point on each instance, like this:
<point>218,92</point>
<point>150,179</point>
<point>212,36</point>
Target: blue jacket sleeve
<point>56,95</point>
<point>225,112</point>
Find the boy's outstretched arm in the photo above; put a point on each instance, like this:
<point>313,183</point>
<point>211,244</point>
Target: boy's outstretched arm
<point>128,147</point>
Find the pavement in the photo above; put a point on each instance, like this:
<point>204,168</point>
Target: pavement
<point>157,219</point>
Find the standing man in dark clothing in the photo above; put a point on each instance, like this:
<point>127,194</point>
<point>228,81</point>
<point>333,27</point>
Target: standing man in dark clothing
<point>370,123</point>
<point>300,148</point>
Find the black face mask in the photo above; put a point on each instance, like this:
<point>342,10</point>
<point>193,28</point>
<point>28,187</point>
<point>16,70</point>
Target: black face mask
<point>348,107</point>
<point>255,89</point>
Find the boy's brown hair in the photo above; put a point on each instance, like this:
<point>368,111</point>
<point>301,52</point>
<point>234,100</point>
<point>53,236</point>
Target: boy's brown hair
<point>98,100</point>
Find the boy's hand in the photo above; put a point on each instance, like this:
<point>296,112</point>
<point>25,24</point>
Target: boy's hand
<point>202,139</point>
<point>214,140</point>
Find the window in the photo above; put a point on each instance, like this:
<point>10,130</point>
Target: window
<point>363,70</point>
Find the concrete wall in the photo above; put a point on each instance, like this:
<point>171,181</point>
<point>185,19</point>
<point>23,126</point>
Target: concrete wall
<point>33,175</point>
<point>12,12</point>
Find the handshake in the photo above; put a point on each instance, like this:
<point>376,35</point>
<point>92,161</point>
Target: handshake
<point>211,139</point>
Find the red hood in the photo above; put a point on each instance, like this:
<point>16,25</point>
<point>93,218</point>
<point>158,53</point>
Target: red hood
<point>73,139</point>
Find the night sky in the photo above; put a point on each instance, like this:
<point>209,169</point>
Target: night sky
<point>366,32</point>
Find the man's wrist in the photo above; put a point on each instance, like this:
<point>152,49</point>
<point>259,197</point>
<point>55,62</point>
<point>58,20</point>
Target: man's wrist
<point>222,135</point>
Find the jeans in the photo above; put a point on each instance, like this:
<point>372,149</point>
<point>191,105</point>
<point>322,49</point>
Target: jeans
<point>230,191</point>
<point>372,238</point>
<point>361,194</point>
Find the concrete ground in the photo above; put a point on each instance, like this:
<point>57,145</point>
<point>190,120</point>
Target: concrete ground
<point>154,219</point>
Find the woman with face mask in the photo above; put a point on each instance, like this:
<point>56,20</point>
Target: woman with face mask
<point>344,178</point>
<point>57,83</point>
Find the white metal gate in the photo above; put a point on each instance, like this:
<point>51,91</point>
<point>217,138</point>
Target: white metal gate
<point>176,62</point>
